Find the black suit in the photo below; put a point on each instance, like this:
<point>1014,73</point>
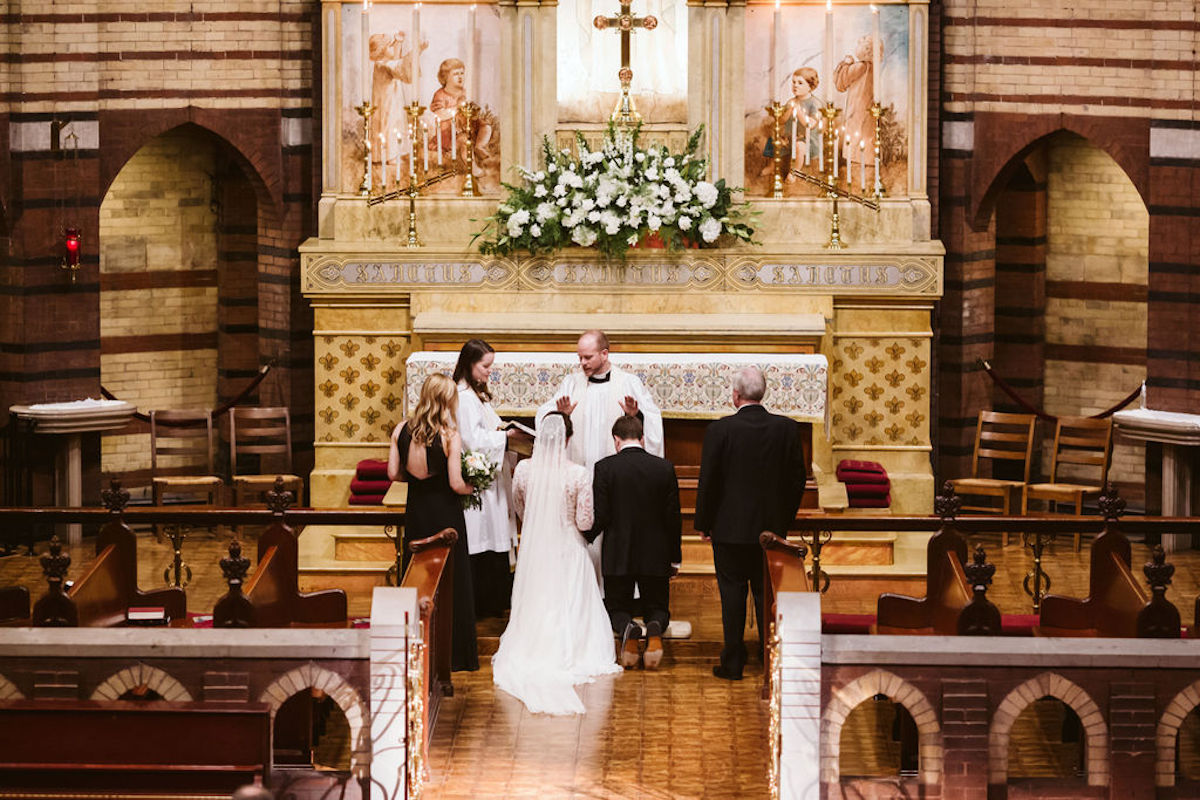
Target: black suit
<point>637,510</point>
<point>752,477</point>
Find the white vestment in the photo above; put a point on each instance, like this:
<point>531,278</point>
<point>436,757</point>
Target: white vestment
<point>491,527</point>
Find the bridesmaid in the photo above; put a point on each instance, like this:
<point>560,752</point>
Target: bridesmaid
<point>426,451</point>
<point>492,528</point>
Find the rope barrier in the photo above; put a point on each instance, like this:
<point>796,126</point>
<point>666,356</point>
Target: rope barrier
<point>1024,404</point>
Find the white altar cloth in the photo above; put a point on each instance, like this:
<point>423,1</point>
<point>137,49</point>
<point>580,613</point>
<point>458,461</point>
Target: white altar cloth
<point>686,385</point>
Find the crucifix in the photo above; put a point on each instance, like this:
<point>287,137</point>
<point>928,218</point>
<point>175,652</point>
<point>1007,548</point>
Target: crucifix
<point>624,113</point>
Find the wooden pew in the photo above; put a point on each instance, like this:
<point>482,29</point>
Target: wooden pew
<point>1114,597</point>
<point>272,594</point>
<point>947,591</point>
<point>108,589</point>
<point>122,748</point>
<point>430,571</point>
<point>783,571</point>
<point>14,606</point>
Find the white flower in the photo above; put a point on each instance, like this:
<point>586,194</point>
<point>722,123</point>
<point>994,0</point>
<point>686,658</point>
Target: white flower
<point>652,174</point>
<point>639,157</point>
<point>560,190</point>
<point>685,222</point>
<point>551,167</point>
<point>539,191</point>
<point>539,176</point>
<point>653,222</point>
<point>545,211</point>
<point>535,229</point>
<point>670,162</point>
<point>583,236</point>
<point>593,216</point>
<point>710,229</point>
<point>632,240</point>
<point>520,217</point>
<point>706,193</point>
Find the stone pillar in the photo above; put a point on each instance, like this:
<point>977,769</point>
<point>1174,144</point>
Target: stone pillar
<point>965,739</point>
<point>1131,720</point>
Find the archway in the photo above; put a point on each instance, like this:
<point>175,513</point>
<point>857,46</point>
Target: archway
<point>142,677</point>
<point>357,715</point>
<point>1172,720</point>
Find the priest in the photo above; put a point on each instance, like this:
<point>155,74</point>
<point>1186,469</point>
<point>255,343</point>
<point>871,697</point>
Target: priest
<point>595,395</point>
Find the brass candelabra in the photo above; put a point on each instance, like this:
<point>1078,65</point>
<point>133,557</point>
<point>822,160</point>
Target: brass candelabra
<point>365,110</point>
<point>777,109</point>
<point>469,112</point>
<point>877,113</point>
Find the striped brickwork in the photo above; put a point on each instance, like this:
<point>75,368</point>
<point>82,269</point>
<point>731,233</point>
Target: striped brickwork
<point>1123,77</point>
<point>115,76</point>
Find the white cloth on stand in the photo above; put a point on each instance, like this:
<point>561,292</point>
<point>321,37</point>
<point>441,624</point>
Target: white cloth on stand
<point>491,527</point>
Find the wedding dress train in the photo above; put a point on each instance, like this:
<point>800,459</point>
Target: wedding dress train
<point>558,634</point>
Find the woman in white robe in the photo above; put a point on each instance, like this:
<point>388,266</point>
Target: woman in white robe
<point>492,528</point>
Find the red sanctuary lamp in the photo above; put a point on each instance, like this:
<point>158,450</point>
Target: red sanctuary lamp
<point>72,242</point>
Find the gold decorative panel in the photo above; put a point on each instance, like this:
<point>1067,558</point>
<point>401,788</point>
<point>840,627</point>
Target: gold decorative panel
<point>879,392</point>
<point>359,386</point>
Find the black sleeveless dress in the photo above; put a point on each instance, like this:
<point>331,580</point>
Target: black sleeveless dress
<point>433,506</point>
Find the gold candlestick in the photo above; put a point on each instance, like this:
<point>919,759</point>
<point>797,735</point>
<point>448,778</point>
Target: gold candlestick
<point>877,113</point>
<point>777,110</point>
<point>469,111</point>
<point>414,111</point>
<point>830,112</point>
<point>365,110</point>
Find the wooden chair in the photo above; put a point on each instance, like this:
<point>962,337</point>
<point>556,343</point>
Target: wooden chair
<point>999,438</point>
<point>182,441</point>
<point>262,431</point>
<point>1081,441</point>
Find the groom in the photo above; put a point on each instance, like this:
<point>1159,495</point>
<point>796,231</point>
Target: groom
<point>637,509</point>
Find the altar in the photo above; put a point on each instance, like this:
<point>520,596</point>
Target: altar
<point>814,112</point>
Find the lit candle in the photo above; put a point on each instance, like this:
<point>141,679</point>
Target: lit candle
<point>876,54</point>
<point>776,24</point>
<point>795,134</point>
<point>437,126</point>
<point>807,138</point>
<point>383,159</point>
<point>821,145</point>
<point>827,75</point>
<point>837,135</point>
<point>399,149</point>
<point>366,51</point>
<point>469,77</point>
<point>424,147</point>
<point>454,135</point>
<point>416,28</point>
<point>862,164</point>
<point>848,154</point>
<point>412,158</point>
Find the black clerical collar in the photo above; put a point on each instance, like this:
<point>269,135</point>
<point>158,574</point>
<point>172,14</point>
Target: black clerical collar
<point>600,378</point>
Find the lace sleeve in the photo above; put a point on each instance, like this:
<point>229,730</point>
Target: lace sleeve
<point>520,479</point>
<point>585,513</point>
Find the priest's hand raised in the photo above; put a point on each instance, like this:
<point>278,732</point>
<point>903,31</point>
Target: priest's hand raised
<point>629,405</point>
<point>565,405</point>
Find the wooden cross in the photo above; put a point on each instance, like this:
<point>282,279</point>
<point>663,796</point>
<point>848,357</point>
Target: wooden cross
<point>624,23</point>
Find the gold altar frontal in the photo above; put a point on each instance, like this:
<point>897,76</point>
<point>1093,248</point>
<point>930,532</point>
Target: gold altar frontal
<point>866,308</point>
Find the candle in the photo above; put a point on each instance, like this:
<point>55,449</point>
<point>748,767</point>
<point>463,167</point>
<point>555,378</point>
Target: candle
<point>437,123</point>
<point>412,158</point>
<point>776,24</point>
<point>878,185</point>
<point>454,135</point>
<point>469,77</point>
<point>848,154</point>
<point>424,147</point>
<point>836,134</point>
<point>807,138</point>
<point>821,146</point>
<point>383,160</point>
<point>399,150</point>
<point>862,164</point>
<point>366,51</point>
<point>416,45</point>
<point>876,55</point>
<point>827,61</point>
<point>795,135</point>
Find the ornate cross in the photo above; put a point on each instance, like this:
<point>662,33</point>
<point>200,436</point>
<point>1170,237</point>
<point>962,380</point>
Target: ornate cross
<point>624,113</point>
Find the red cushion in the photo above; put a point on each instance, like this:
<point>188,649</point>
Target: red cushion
<point>862,466</point>
<point>366,499</point>
<point>857,476</point>
<point>370,487</point>
<point>873,490</point>
<point>847,623</point>
<point>371,469</point>
<point>1018,624</point>
<point>871,502</point>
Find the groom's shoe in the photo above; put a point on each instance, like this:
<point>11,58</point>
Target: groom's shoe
<point>723,672</point>
<point>630,653</point>
<point>654,646</point>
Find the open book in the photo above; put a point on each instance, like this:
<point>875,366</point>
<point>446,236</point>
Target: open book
<point>521,447</point>
<point>509,424</point>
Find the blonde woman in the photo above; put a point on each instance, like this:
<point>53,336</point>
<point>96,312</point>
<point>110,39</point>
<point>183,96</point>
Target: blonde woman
<point>426,453</point>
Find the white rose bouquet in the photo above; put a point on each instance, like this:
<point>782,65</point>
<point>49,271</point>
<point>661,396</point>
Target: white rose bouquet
<point>479,472</point>
<point>613,198</point>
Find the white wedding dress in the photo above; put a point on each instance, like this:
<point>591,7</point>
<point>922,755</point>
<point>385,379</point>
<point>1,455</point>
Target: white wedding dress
<point>558,634</point>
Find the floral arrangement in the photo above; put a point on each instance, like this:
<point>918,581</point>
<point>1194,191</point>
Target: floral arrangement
<point>479,472</point>
<point>615,197</point>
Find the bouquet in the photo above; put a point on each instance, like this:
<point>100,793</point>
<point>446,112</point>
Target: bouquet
<point>479,472</point>
<point>614,197</point>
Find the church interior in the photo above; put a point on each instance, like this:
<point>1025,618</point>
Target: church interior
<point>959,238</point>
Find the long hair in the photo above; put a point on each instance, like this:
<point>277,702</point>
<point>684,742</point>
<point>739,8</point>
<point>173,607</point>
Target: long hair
<point>435,410</point>
<point>472,353</point>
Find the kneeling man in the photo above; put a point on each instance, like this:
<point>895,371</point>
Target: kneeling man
<point>637,510</point>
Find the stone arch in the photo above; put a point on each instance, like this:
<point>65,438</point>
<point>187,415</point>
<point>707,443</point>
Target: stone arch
<point>1058,687</point>
<point>847,698</point>
<point>314,676</point>
<point>1168,732</point>
<point>9,690</point>
<point>169,689</point>
<point>1125,141</point>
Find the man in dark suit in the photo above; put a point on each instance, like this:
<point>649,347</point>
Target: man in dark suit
<point>637,510</point>
<point>752,477</point>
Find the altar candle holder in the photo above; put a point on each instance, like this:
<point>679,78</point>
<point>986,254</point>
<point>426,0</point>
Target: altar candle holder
<point>777,110</point>
<point>365,110</point>
<point>414,111</point>
<point>831,112</point>
<point>877,113</point>
<point>469,112</point>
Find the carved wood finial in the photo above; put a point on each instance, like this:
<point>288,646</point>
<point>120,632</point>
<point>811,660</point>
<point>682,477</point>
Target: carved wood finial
<point>114,497</point>
<point>55,564</point>
<point>979,572</point>
<point>1112,506</point>
<point>947,503</point>
<point>1158,571</point>
<point>279,499</point>
<point>235,566</point>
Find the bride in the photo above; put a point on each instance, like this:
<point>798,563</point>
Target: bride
<point>558,634</point>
